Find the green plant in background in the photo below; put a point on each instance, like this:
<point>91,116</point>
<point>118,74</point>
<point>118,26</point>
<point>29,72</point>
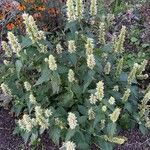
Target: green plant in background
<point>79,94</point>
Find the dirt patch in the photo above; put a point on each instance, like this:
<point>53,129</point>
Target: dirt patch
<point>8,141</point>
<point>136,141</point>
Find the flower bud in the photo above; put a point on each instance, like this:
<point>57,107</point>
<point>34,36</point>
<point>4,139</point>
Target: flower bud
<point>27,86</point>
<point>79,8</point>
<point>70,10</point>
<point>13,41</point>
<point>6,48</point>
<point>91,114</point>
<point>71,77</point>
<point>102,33</point>
<point>119,67</point>
<point>100,90</point>
<point>114,116</point>
<point>132,74</point>
<point>52,63</point>
<point>93,8</point>
<point>126,95</point>
<point>118,47</point>
<point>89,46</point>
<point>72,120</point>
<point>71,46</point>
<point>107,68</point>
<point>91,61</point>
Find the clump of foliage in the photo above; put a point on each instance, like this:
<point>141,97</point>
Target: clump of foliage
<point>78,91</point>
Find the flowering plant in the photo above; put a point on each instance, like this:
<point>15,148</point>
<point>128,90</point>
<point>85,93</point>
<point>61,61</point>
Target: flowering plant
<point>78,92</point>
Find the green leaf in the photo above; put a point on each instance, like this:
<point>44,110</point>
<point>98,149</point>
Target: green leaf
<point>145,45</point>
<point>134,39</point>
<point>88,79</point>
<point>143,129</point>
<point>82,120</point>
<point>45,76</point>
<point>26,136</point>
<point>67,98</point>
<point>55,135</point>
<point>82,109</point>
<point>26,41</point>
<point>83,146</point>
<point>128,106</point>
<point>55,81</point>
<point>70,134</point>
<point>18,67</point>
<point>73,58</point>
<point>106,146</point>
<point>111,129</point>
<point>77,90</point>
<point>123,77</point>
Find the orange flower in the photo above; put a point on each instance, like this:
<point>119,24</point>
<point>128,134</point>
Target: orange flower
<point>37,15</point>
<point>1,16</point>
<point>41,8</point>
<point>21,7</point>
<point>10,26</point>
<point>18,20</point>
<point>53,11</point>
<point>45,28</point>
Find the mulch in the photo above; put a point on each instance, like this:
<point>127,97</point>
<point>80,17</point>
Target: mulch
<point>8,141</point>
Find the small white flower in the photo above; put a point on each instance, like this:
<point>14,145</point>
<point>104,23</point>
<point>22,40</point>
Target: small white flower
<point>71,77</point>
<point>38,111</point>
<point>104,108</point>
<point>91,114</point>
<point>107,68</point>
<point>6,90</point>
<point>116,88</point>
<point>26,123</point>
<point>71,46</point>
<point>93,8</point>
<point>70,10</point>
<point>59,48</point>
<point>13,41</point>
<point>70,145</point>
<point>31,28</point>
<point>72,120</point>
<point>115,115</point>
<point>27,86</point>
<point>100,90</point>
<point>32,98</point>
<point>48,112</point>
<point>111,100</point>
<point>89,46</point>
<point>6,48</point>
<point>52,63</point>
<point>91,61</point>
<point>79,8</point>
<point>93,99</point>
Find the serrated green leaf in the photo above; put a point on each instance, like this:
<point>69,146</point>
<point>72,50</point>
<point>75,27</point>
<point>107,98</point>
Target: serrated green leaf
<point>45,76</point>
<point>70,134</point>
<point>88,79</point>
<point>55,135</point>
<point>82,109</point>
<point>55,82</point>
<point>111,129</point>
<point>18,67</point>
